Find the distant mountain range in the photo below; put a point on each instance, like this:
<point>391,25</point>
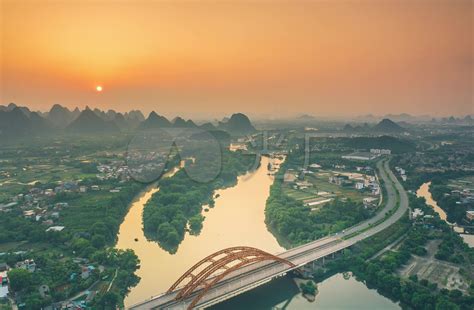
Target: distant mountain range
<point>61,117</point>
<point>414,119</point>
<point>18,121</point>
<point>89,122</point>
<point>237,124</point>
<point>384,126</point>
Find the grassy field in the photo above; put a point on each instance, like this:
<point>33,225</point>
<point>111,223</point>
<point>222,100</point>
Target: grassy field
<point>299,194</point>
<point>321,184</point>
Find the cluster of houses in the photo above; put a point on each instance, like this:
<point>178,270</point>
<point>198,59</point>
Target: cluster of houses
<point>465,196</point>
<point>296,177</point>
<point>145,162</point>
<point>358,180</point>
<point>113,171</point>
<point>419,216</point>
<point>36,204</point>
<point>86,271</point>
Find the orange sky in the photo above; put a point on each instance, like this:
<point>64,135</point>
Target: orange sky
<point>262,58</point>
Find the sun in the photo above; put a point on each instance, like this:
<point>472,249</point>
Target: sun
<point>98,88</point>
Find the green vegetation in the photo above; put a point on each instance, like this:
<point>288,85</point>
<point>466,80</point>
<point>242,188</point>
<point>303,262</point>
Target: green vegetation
<point>454,250</point>
<point>63,276</point>
<point>382,272</point>
<point>291,221</point>
<point>320,183</point>
<point>396,145</point>
<point>296,224</point>
<point>180,200</point>
<point>449,202</point>
<point>447,161</point>
<point>90,219</point>
<point>308,288</point>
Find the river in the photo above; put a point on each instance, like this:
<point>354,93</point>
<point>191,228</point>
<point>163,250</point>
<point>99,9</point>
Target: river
<point>424,191</point>
<point>238,218</point>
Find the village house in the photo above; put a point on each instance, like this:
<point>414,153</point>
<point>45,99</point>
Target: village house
<point>55,228</point>
<point>417,213</point>
<point>28,264</point>
<point>470,215</point>
<point>303,185</point>
<point>369,201</point>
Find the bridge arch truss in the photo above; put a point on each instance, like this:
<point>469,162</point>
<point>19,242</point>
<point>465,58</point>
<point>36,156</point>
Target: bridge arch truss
<point>210,270</point>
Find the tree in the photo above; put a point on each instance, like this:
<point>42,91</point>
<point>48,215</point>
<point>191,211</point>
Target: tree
<point>195,223</point>
<point>308,288</point>
<point>98,241</point>
<point>20,279</point>
<point>443,304</point>
<point>109,301</point>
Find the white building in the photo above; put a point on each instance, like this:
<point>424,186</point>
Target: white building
<point>381,151</point>
<point>55,228</point>
<point>360,156</point>
<point>416,213</point>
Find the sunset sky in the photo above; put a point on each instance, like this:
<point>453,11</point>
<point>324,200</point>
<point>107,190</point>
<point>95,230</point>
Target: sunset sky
<point>210,58</point>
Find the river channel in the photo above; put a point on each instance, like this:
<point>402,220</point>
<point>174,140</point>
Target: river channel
<point>238,218</point>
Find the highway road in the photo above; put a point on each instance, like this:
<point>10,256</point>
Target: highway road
<point>244,279</point>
